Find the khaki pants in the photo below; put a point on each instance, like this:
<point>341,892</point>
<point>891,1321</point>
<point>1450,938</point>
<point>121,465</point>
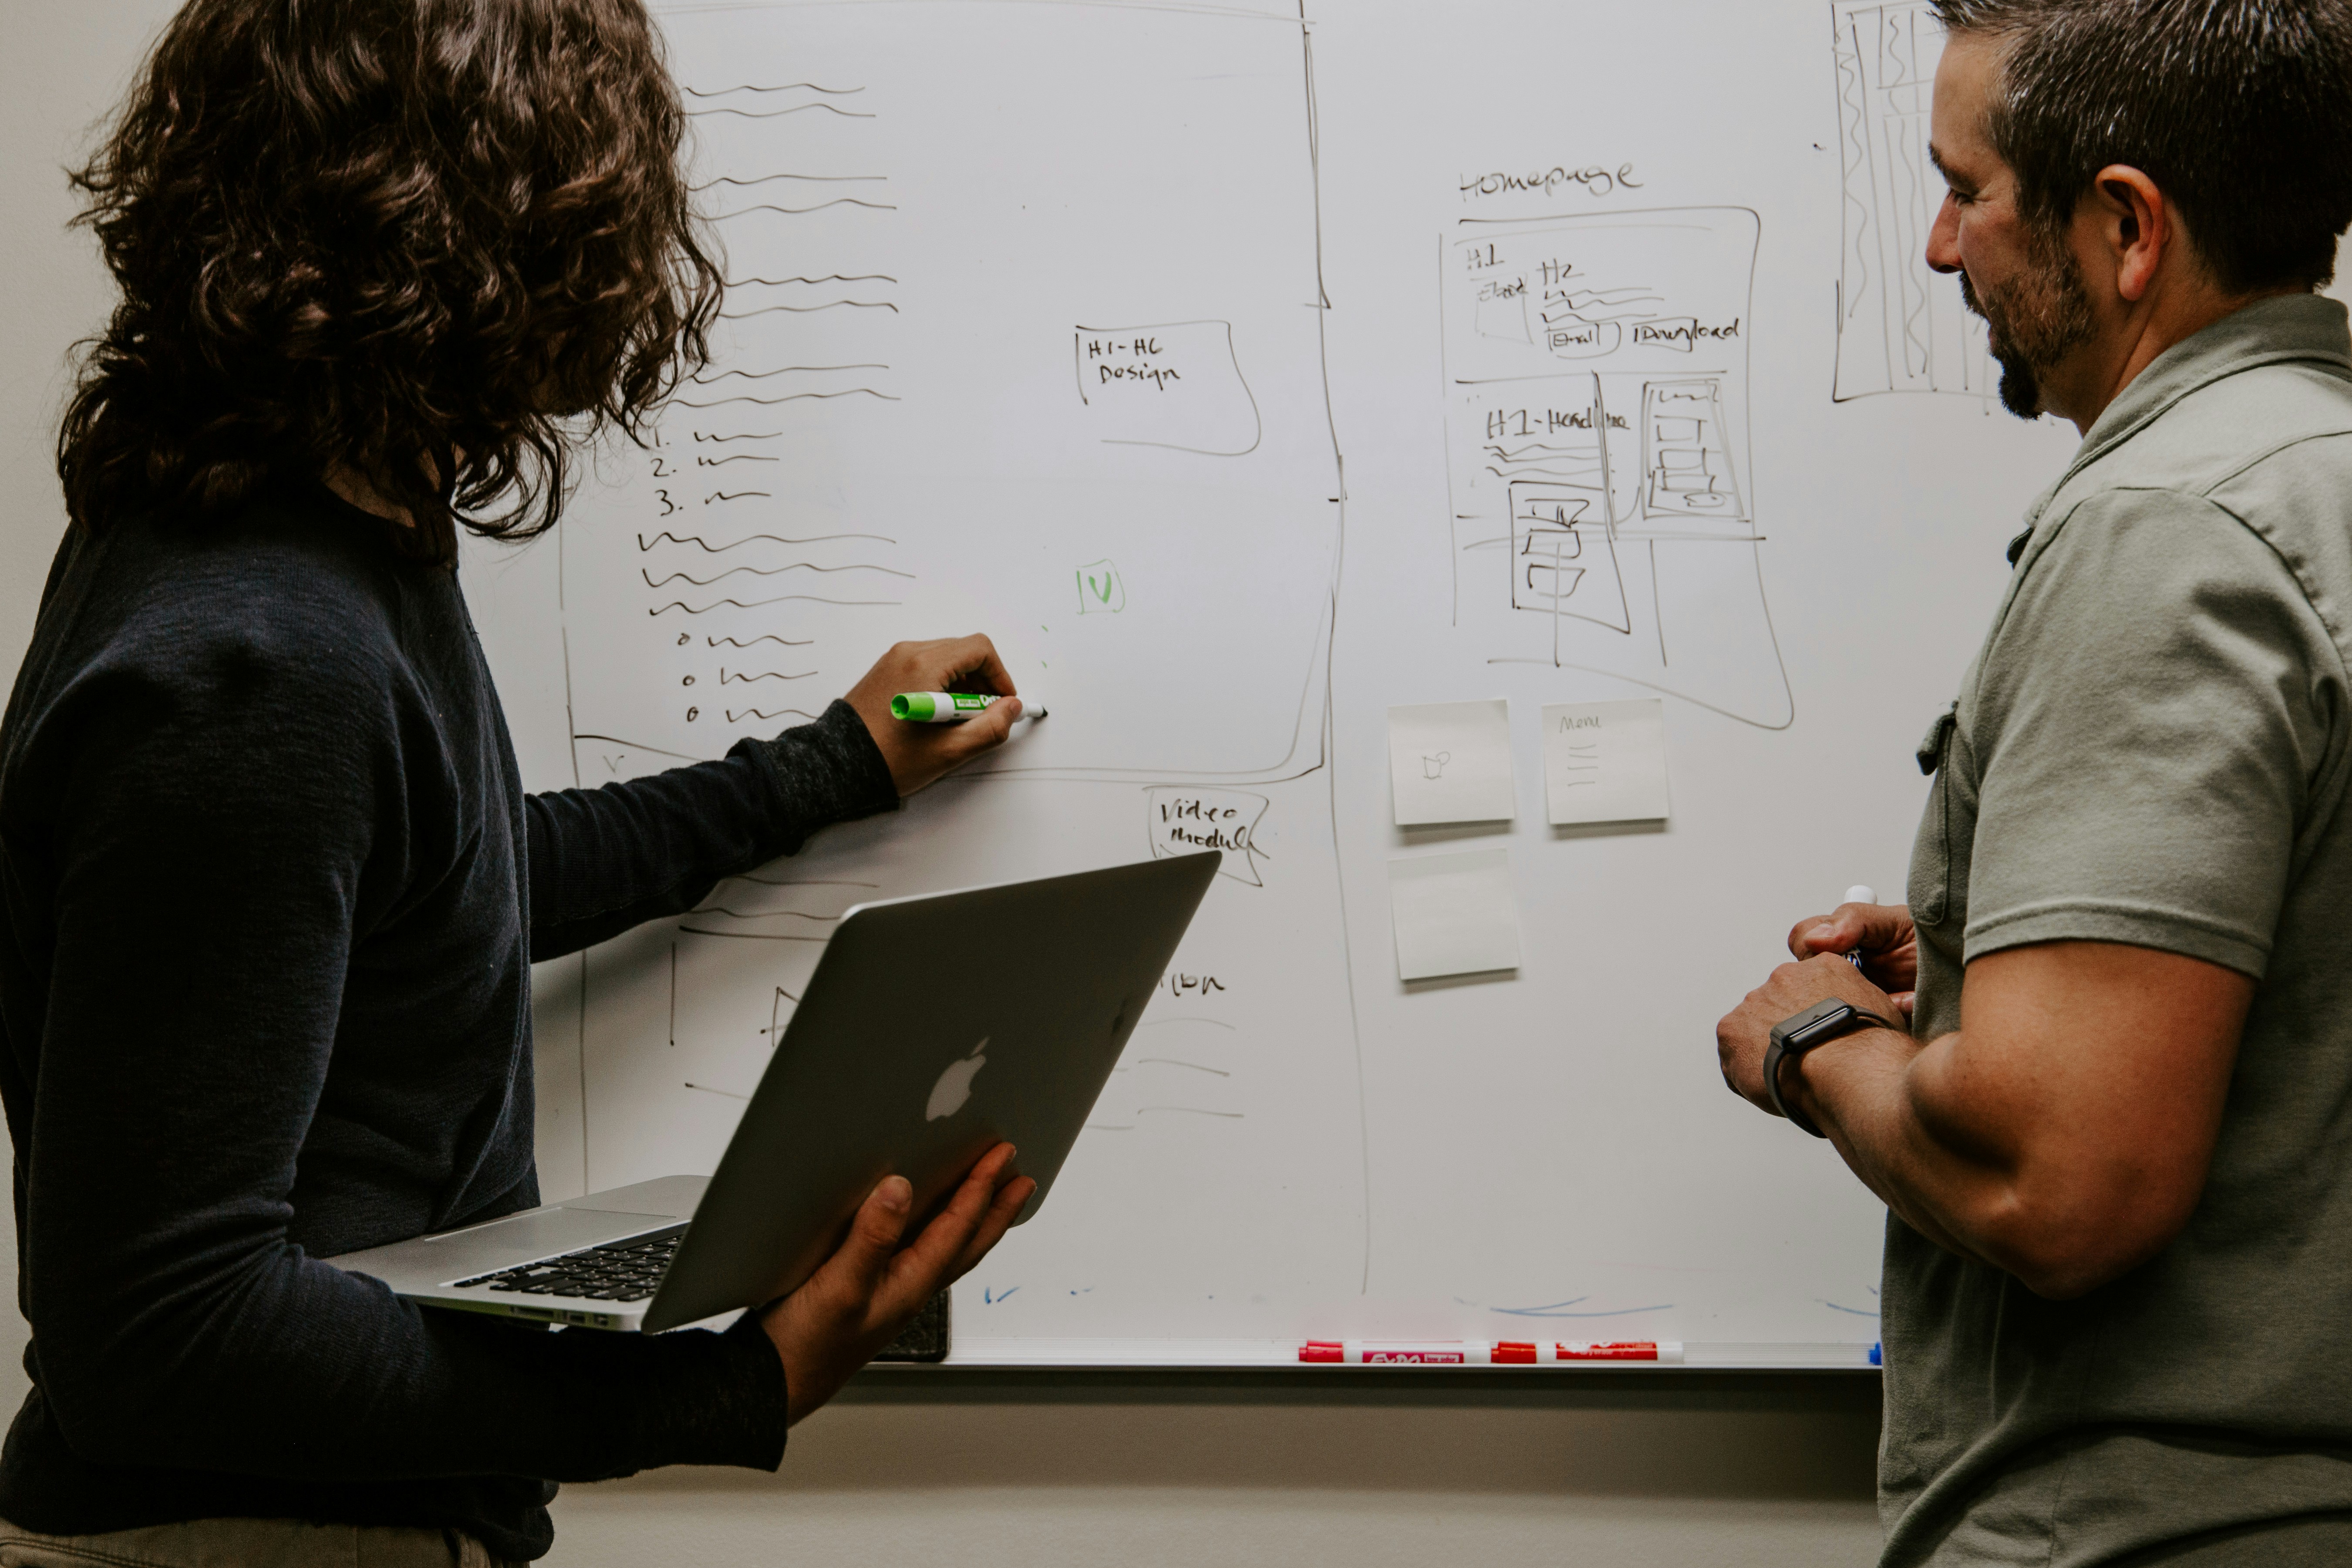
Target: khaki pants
<point>247,1544</point>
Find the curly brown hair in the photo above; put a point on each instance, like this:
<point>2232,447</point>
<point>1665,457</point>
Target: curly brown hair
<point>436,243</point>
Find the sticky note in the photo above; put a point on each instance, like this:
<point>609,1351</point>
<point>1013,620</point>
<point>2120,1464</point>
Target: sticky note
<point>1455,914</point>
<point>1605,762</point>
<point>1451,762</point>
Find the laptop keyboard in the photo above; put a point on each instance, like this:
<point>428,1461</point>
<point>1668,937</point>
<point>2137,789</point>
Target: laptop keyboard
<point>629,1269</point>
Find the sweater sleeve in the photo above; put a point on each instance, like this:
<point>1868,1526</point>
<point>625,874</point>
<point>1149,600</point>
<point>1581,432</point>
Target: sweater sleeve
<point>604,860</point>
<point>216,840</point>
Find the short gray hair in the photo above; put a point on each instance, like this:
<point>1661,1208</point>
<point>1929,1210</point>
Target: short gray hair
<point>2241,112</point>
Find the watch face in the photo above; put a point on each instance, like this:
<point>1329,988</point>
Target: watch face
<point>1816,1024</point>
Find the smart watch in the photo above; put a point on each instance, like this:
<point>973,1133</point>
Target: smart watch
<point>1795,1035</point>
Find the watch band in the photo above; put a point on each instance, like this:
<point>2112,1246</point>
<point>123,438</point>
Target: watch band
<point>1799,1033</point>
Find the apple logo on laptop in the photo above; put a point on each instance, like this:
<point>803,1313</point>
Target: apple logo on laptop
<point>954,1087</point>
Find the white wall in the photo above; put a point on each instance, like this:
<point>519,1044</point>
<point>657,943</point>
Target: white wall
<point>914,1466</point>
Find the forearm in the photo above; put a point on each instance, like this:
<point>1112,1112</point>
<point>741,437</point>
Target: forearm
<point>289,1368</point>
<point>602,861</point>
<point>1873,1093</point>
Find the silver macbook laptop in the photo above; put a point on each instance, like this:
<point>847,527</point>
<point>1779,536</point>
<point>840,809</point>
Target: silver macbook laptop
<point>933,1028</point>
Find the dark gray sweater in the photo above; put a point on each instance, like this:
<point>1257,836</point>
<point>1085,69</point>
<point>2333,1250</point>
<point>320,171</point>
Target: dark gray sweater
<point>269,894</point>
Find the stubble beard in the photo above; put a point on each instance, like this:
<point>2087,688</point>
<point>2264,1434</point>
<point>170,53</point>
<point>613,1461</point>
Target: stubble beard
<point>2034,320</point>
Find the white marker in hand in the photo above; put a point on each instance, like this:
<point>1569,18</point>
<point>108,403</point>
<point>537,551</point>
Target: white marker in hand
<point>1858,893</point>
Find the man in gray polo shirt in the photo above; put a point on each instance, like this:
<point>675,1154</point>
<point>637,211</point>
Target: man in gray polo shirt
<point>2117,1136</point>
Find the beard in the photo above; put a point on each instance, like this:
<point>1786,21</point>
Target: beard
<point>2034,320</point>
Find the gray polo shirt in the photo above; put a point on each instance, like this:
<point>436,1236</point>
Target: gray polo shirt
<point>2153,748</point>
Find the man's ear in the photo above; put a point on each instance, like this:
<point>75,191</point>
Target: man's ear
<point>2136,227</point>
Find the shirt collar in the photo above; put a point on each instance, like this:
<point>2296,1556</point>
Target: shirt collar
<point>2284,327</point>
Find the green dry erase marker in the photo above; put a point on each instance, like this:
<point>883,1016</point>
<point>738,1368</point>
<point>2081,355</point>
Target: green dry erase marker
<point>951,707</point>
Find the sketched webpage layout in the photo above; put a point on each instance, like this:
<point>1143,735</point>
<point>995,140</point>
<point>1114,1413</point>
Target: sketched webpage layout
<point>1597,440</point>
<point>997,352</point>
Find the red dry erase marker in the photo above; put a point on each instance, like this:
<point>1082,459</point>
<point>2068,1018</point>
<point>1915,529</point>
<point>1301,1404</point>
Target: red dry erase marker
<point>1619,1350</point>
<point>1417,1353</point>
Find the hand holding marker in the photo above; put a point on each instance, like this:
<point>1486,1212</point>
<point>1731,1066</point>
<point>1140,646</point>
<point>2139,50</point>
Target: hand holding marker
<point>953,708</point>
<point>1858,894</point>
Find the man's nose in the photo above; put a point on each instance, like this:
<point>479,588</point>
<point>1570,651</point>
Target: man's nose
<point>1943,238</point>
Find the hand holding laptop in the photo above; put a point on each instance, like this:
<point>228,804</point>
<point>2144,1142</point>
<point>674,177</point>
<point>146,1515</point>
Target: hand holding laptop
<point>862,1296</point>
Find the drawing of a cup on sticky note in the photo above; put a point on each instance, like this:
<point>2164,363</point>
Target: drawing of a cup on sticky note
<point>1177,385</point>
<point>1451,762</point>
<point>1101,591</point>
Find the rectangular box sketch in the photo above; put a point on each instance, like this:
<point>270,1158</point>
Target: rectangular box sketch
<point>887,443</point>
<point>1901,327</point>
<point>877,429</point>
<point>1597,439</point>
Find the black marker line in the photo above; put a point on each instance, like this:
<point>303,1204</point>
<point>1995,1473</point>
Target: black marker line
<point>643,545</point>
<point>730,1094</point>
<point>765,716</point>
<point>804,311</point>
<point>1172,1062</point>
<point>634,745</point>
<point>746,436</point>
<point>783,370</point>
<point>785,642</point>
<point>734,457</point>
<point>780,599</point>
<point>1331,775</point>
<point>803,212</point>
<point>771,178</point>
<point>742,680</point>
<point>828,278</point>
<point>765,571</point>
<point>1192,1111</point>
<point>778,113</point>
<point>785,87</point>
<point>795,397</point>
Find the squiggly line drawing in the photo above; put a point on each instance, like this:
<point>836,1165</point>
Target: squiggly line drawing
<point>787,641</point>
<point>828,278</point>
<point>765,571</point>
<point>809,309</point>
<point>743,680</point>
<point>780,599</point>
<point>738,496</point>
<point>803,212</point>
<point>734,718</point>
<point>779,113</point>
<point>644,544</point>
<point>770,179</point>
<point>783,370</point>
<point>785,87</point>
<point>793,397</point>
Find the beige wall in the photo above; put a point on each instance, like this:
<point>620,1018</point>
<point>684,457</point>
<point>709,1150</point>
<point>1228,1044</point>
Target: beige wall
<point>918,1467</point>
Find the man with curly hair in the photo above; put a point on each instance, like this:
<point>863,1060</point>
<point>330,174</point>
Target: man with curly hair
<point>270,884</point>
<point>2114,1136</point>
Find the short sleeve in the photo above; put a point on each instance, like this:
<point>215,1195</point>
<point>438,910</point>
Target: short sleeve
<point>2155,713</point>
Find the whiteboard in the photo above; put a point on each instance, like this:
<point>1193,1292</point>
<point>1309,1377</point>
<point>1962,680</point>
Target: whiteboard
<point>1244,372</point>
